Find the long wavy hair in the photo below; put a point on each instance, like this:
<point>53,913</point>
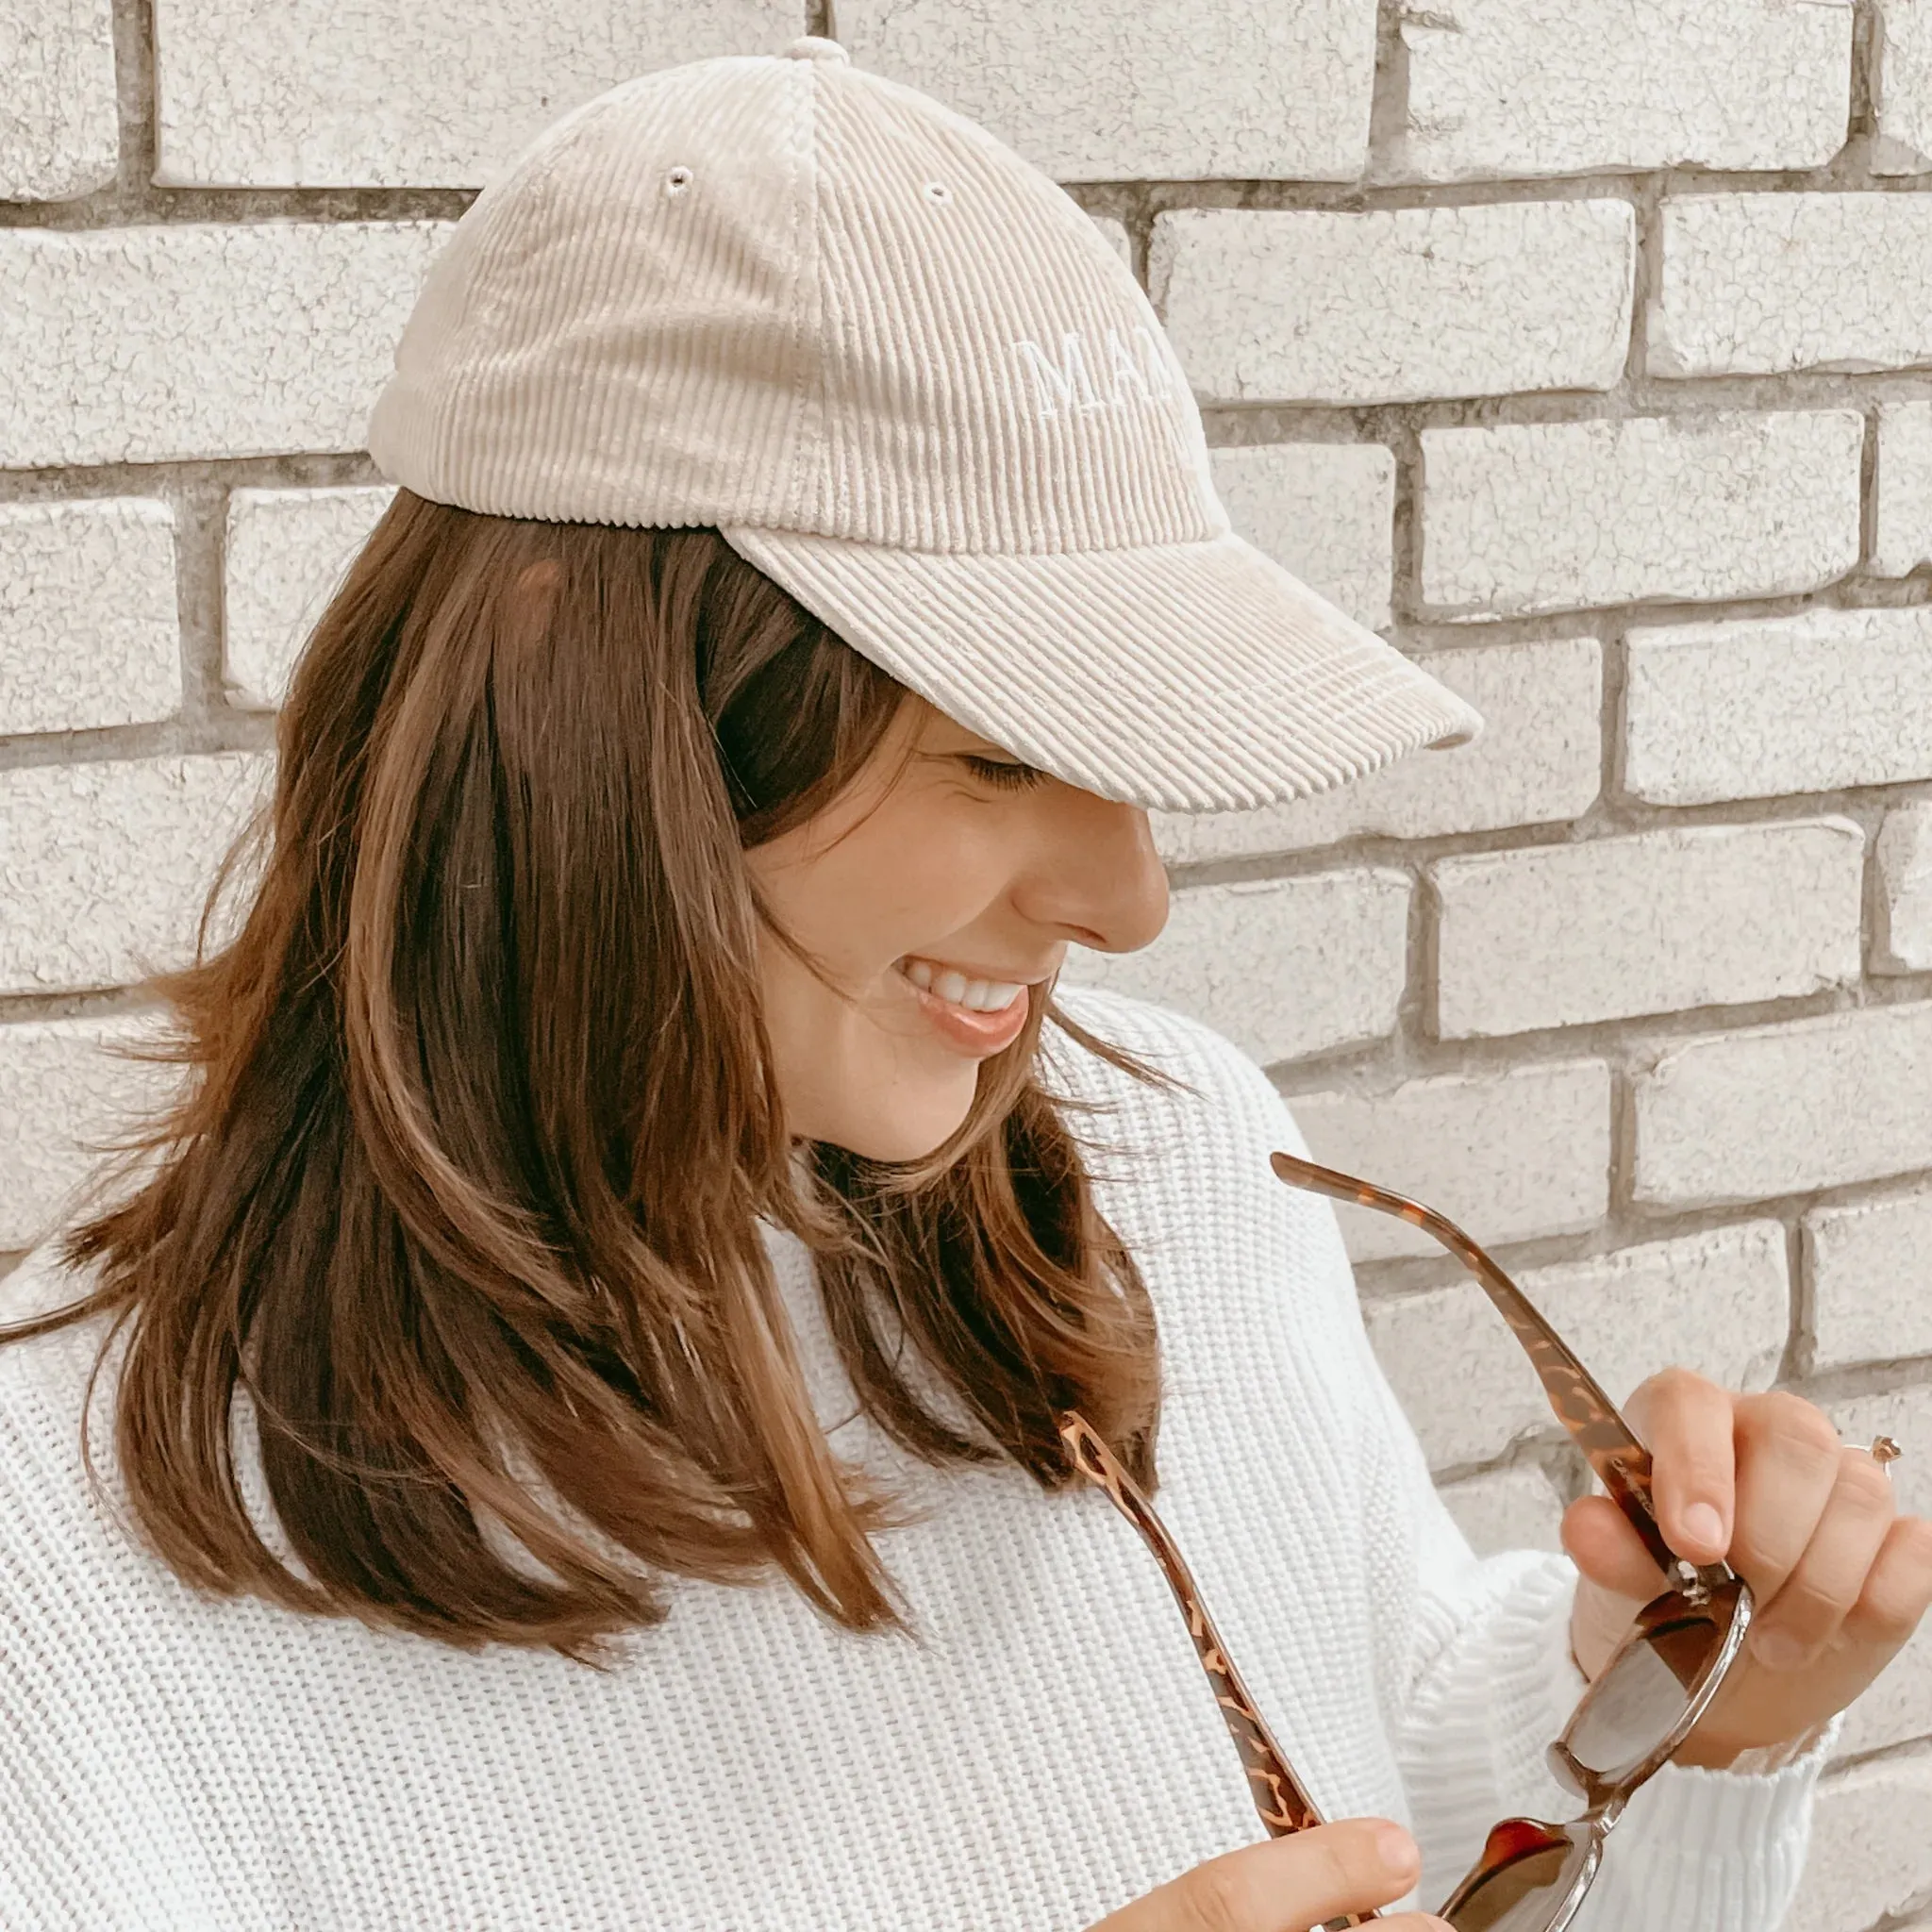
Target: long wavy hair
<point>474,1132</point>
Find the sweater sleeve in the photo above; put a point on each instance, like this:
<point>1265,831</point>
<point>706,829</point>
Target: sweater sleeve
<point>1480,1679</point>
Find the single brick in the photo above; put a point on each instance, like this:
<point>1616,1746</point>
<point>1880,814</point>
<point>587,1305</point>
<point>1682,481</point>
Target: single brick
<point>1902,935</point>
<point>287,551</point>
<point>1515,87</point>
<point>1552,516</point>
<point>1538,760</point>
<point>1758,283</point>
<point>1852,1095</point>
<point>59,135</point>
<point>1903,540</point>
<point>65,1095</point>
<point>89,631</point>
<point>1865,1263</point>
<point>1325,511</point>
<point>1718,1303</point>
<point>1506,1509</point>
<point>1903,140</point>
<point>107,865</point>
<point>298,97</point>
<point>1509,1155</point>
<point>1091,91</point>
<point>1694,916</point>
<point>1815,702</point>
<point>1284,967</point>
<point>1870,1846</point>
<point>1279,304</point>
<point>225,339</point>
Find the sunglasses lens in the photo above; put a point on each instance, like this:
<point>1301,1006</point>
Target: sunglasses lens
<point>1530,1873</point>
<point>1647,1687</point>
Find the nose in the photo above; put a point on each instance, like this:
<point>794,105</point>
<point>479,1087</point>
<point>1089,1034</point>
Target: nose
<point>1098,878</point>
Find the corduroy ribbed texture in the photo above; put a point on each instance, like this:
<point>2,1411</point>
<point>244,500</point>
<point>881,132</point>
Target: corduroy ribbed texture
<point>1046,1750</point>
<point>904,373</point>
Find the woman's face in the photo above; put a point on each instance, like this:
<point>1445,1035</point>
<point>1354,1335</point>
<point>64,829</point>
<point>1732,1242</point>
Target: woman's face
<point>934,898</point>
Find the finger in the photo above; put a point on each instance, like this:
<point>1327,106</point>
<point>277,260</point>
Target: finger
<point>1788,1465</point>
<point>1285,1885</point>
<point>1829,1577</point>
<point>1898,1589</point>
<point>1603,1545</point>
<point>1689,1423</point>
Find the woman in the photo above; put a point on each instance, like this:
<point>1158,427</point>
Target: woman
<point>582,1362</point>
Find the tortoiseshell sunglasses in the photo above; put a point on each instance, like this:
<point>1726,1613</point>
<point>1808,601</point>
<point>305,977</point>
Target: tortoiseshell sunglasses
<point>1645,1701</point>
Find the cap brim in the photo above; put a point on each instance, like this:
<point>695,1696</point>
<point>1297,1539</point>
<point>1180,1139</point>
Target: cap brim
<point>1183,678</point>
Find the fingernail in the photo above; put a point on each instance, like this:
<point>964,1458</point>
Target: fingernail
<point>1778,1652</point>
<point>1703,1525</point>
<point>1398,1851</point>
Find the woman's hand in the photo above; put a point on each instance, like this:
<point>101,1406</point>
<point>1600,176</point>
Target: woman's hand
<point>1841,1578</point>
<point>1287,1884</point>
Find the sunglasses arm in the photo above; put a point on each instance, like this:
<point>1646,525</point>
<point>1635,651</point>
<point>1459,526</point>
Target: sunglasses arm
<point>1622,1463</point>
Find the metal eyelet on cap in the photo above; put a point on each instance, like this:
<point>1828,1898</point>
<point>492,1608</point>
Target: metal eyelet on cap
<point>678,180</point>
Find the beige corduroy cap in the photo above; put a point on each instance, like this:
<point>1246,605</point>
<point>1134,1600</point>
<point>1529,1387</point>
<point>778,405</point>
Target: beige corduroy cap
<point>904,373</point>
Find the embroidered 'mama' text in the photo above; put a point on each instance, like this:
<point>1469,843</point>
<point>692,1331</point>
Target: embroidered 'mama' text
<point>1136,377</point>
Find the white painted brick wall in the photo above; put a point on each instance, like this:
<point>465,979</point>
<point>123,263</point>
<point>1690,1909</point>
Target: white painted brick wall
<point>1757,284</point>
<point>89,635</point>
<point>1870,1846</point>
<point>406,97</point>
<point>1820,701</point>
<point>1091,91</point>
<point>1520,86</point>
<point>106,866</point>
<point>1718,915</point>
<point>1285,968</point>
<point>286,553</point>
<point>1538,760</point>
<point>1514,1509</point>
<point>1865,1268</point>
<point>1326,510</point>
<point>1901,911</point>
<point>58,135</point>
<point>1718,1303</point>
<point>1559,516</point>
<point>1507,1157</point>
<point>1903,508</point>
<point>226,339</point>
<point>1770,1111</point>
<point>1904,87</point>
<point>64,1093</point>
<point>1687,584</point>
<point>1283,306</point>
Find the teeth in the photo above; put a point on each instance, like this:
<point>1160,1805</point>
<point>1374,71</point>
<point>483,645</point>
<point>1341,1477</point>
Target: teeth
<point>976,995</point>
<point>994,995</point>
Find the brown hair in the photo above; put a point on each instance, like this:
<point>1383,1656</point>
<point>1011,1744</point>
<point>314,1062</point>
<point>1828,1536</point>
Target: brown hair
<point>464,1185</point>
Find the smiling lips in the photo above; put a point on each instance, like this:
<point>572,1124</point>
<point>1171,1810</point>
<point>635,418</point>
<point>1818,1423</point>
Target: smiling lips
<point>975,1017</point>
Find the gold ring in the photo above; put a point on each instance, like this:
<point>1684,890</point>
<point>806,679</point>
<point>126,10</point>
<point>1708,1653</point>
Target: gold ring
<point>1885,1452</point>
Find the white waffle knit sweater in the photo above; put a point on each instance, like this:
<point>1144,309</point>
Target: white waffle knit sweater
<point>1045,1750</point>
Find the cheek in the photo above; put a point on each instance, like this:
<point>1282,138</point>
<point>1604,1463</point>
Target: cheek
<point>872,900</point>
<point>856,1063</point>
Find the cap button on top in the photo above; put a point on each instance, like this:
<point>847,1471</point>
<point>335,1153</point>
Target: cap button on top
<point>816,48</point>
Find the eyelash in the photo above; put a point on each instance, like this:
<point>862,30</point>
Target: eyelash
<point>1004,777</point>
